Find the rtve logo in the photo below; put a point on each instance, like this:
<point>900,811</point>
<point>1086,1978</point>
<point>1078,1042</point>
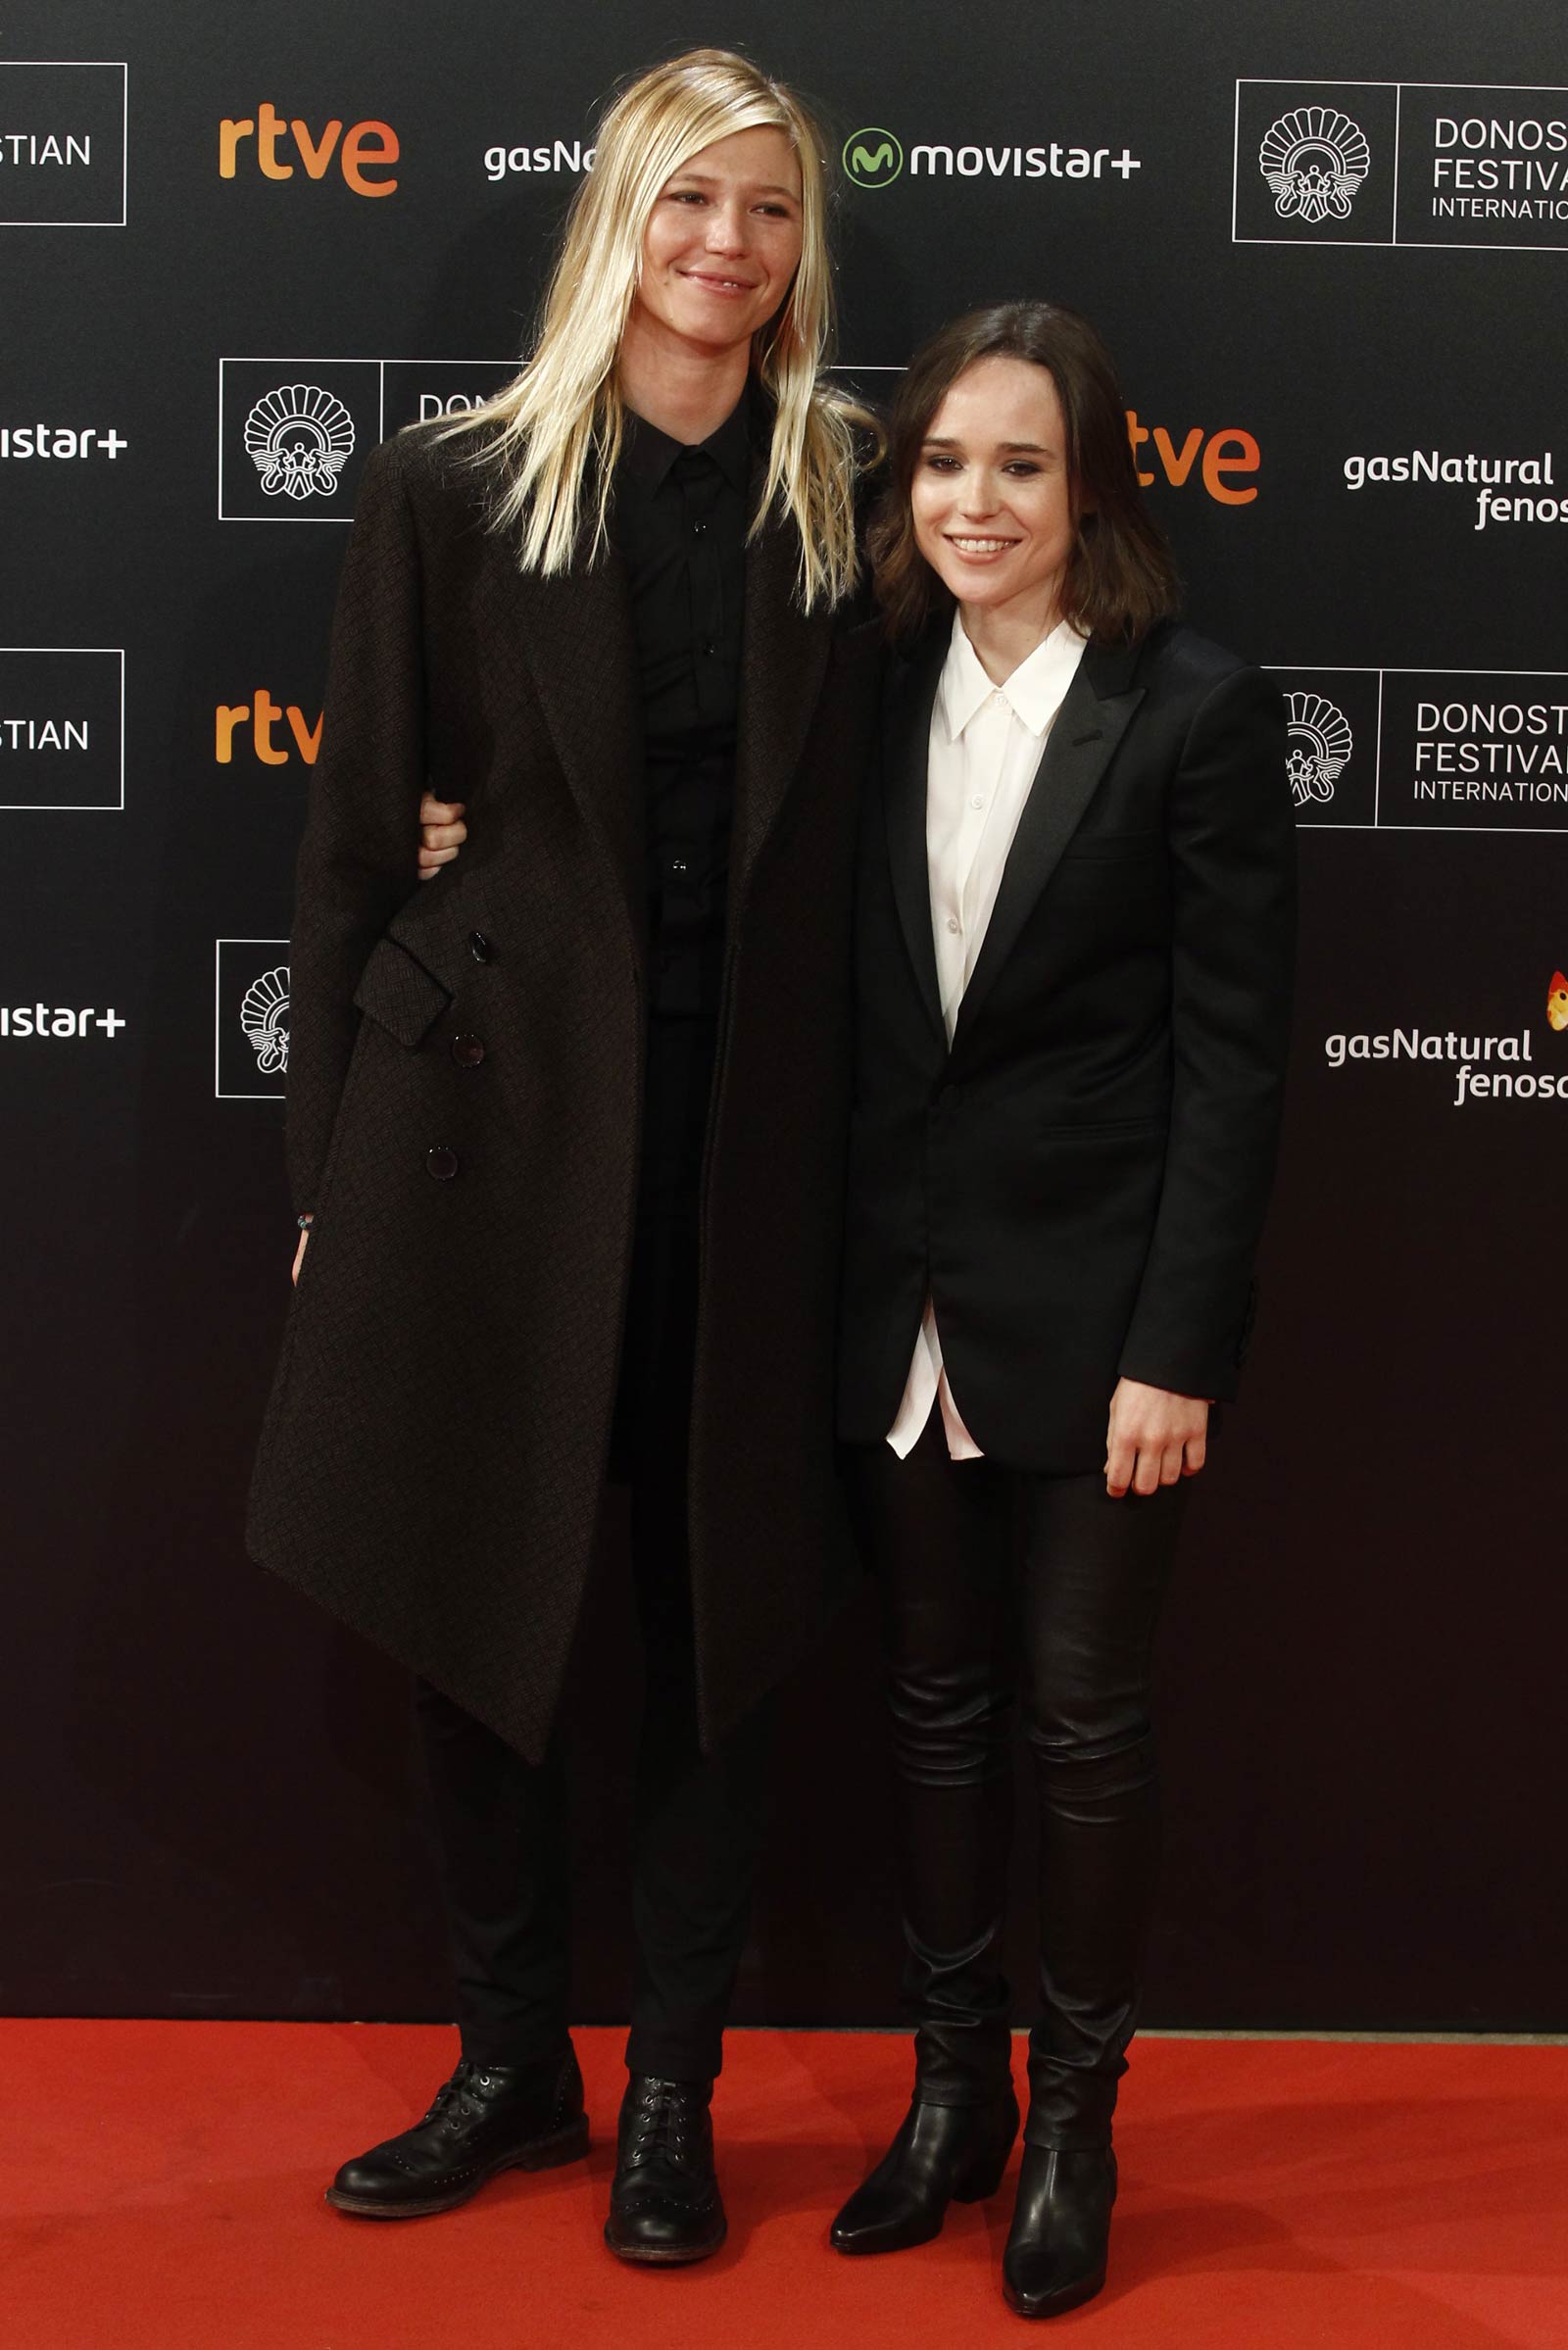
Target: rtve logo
<point>261,717</point>
<point>272,143</point>
<point>1216,456</point>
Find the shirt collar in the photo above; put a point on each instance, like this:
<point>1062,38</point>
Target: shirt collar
<point>647,454</point>
<point>1034,692</point>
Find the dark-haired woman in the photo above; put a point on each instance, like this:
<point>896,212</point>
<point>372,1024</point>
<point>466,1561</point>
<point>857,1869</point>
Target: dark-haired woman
<point>1074,939</point>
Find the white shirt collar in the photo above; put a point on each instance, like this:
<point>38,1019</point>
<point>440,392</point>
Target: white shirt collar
<point>1034,692</point>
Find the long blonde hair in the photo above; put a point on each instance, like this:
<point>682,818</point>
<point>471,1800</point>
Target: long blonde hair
<point>554,434</point>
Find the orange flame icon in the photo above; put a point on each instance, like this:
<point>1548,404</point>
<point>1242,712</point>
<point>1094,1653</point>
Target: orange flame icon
<point>1557,1001</point>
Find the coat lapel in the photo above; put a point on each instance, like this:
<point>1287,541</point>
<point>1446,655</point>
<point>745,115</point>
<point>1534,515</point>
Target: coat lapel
<point>784,658</point>
<point>1088,729</point>
<point>905,748</point>
<point>575,629</point>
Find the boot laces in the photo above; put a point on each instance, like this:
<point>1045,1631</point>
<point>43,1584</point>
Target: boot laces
<point>454,2105</point>
<point>663,2124</point>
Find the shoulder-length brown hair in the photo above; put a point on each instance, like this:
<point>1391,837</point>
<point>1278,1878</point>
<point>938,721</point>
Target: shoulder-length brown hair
<point>1119,579</point>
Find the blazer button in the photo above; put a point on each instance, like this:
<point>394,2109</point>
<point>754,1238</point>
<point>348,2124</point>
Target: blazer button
<point>467,1051</point>
<point>480,947</point>
<point>441,1164</point>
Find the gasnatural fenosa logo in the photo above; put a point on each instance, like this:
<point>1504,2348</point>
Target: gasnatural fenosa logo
<point>1314,160</point>
<point>1478,1067</point>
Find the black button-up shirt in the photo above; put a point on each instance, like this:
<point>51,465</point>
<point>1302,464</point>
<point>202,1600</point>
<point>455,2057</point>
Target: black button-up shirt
<point>680,520</point>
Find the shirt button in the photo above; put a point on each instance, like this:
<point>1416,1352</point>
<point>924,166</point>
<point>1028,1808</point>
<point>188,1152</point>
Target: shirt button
<point>480,947</point>
<point>952,922</point>
<point>467,1051</point>
<point>441,1164</point>
<point>698,529</point>
<point>977,802</point>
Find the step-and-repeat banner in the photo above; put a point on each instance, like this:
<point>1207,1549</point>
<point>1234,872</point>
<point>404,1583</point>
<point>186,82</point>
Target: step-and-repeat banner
<point>237,248</point>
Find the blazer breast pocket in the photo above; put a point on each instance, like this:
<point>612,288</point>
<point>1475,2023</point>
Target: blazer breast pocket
<point>1114,849</point>
<point>1098,879</point>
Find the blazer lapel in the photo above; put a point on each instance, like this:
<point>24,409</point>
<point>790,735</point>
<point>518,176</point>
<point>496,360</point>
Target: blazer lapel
<point>784,658</point>
<point>575,630</point>
<point>1083,740</point>
<point>906,749</point>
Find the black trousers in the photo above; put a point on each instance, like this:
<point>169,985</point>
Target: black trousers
<point>992,1580</point>
<point>699,1817</point>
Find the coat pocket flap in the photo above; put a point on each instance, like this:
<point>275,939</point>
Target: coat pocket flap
<point>400,995</point>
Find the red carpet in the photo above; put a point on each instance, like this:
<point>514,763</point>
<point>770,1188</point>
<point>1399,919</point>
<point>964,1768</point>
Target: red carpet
<point>162,2186</point>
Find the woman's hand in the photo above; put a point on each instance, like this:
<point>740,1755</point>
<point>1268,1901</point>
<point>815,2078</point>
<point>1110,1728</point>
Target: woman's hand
<point>299,1257</point>
<point>442,834</point>
<point>1154,1438</point>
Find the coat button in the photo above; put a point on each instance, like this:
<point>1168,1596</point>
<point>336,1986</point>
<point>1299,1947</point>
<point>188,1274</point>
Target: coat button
<point>441,1164</point>
<point>467,1051</point>
<point>480,947</point>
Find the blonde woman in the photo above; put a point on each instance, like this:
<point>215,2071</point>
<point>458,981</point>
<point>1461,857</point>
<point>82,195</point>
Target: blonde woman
<point>567,1127</point>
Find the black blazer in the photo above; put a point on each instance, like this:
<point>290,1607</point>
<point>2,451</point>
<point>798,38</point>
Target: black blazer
<point>1080,1183</point>
<point>465,1083</point>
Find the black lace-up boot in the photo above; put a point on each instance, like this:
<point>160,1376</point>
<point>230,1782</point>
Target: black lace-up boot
<point>487,2118</point>
<point>665,2204</point>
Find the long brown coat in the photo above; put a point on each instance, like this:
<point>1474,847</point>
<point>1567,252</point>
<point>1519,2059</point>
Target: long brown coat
<point>463,1102</point>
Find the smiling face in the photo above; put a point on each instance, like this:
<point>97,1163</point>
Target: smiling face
<point>722,242</point>
<point>991,497</point>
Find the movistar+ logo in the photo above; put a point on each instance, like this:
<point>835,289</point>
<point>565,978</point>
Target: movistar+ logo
<point>875,157</point>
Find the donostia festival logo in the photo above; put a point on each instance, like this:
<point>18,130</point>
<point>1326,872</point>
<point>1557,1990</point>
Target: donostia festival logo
<point>300,438</point>
<point>1314,160</point>
<point>873,158</point>
<point>1321,742</point>
<point>1557,1002</point>
<point>264,1016</point>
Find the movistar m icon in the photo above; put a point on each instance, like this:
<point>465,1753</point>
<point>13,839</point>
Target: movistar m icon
<point>873,158</point>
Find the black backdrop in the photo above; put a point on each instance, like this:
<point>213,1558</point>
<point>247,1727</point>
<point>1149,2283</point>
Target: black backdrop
<point>212,1802</point>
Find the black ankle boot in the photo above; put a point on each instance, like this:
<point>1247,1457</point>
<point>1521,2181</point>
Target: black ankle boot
<point>1056,2255</point>
<point>664,2203</point>
<point>943,2154</point>
<point>487,2118</point>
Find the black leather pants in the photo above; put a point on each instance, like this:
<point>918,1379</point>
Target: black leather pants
<point>992,1580</point>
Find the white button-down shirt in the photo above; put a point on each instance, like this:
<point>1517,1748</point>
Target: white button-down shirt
<point>986,744</point>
